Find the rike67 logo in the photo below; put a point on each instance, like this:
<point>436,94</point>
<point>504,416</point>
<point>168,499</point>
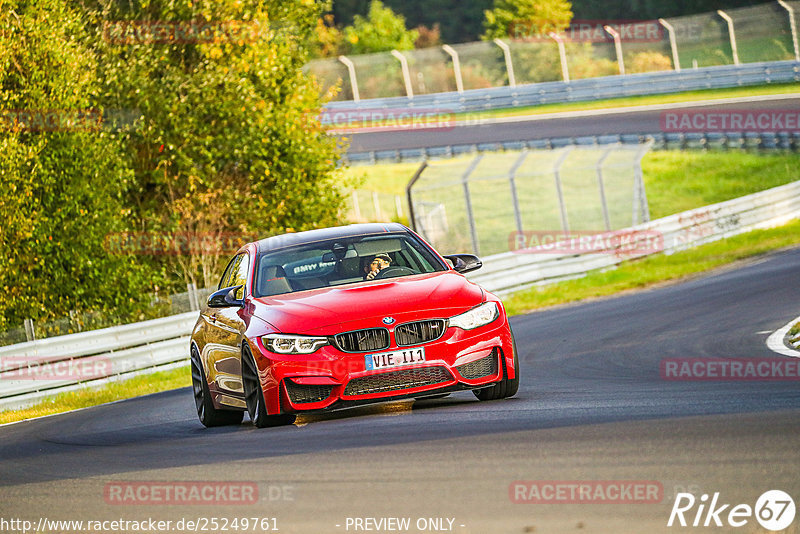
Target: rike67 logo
<point>774,510</point>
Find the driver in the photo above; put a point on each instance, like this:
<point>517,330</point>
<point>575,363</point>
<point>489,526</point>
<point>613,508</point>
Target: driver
<point>379,263</point>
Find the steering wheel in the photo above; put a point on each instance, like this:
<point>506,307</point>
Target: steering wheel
<point>391,272</point>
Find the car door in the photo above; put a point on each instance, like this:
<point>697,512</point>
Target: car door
<point>222,352</point>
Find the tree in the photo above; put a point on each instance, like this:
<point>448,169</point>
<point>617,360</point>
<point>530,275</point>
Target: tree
<point>380,31</point>
<point>229,141</point>
<point>62,174</point>
<point>533,17</point>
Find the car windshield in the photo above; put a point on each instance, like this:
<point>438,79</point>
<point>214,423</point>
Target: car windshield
<point>363,259</point>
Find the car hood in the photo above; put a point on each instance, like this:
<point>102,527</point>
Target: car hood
<point>330,310</point>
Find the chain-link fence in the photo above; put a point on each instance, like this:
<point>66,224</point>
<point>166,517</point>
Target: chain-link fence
<point>482,203</point>
<point>372,206</point>
<point>765,32</point>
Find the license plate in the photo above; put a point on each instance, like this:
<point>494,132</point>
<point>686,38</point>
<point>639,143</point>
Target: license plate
<point>396,358</point>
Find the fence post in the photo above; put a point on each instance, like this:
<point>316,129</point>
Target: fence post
<point>356,208</point>
<point>639,178</point>
<point>473,231</point>
<point>376,203</point>
<point>512,180</point>
<point>194,302</point>
<point>398,206</point>
<point>456,67</point>
<point>406,74</point>
<point>793,27</point>
<point>412,220</point>
<point>512,81</point>
<point>618,46</point>
<point>351,69</point>
<point>732,35</point>
<point>673,44</point>
<point>562,53</point>
<point>600,184</point>
<point>30,332</point>
<point>559,191</point>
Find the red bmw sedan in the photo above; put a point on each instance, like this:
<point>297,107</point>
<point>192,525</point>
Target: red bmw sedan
<point>333,318</point>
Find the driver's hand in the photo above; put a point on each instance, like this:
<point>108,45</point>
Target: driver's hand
<point>372,274</point>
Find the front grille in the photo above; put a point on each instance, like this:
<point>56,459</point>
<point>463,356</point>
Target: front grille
<point>479,368</point>
<point>363,340</point>
<point>418,332</point>
<point>396,380</point>
<point>303,394</point>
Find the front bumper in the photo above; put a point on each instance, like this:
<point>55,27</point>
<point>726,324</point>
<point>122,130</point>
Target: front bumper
<point>331,379</point>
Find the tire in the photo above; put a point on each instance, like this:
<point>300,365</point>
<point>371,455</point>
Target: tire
<point>507,387</point>
<point>254,395</point>
<point>209,415</point>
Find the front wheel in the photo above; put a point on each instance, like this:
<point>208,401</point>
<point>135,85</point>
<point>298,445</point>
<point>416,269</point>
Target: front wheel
<point>209,415</point>
<point>254,395</point>
<point>507,387</point>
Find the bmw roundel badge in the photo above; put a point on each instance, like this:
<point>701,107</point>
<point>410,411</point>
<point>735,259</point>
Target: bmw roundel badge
<point>388,320</point>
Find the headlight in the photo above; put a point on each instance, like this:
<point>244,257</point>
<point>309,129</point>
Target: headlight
<point>483,314</point>
<point>290,344</point>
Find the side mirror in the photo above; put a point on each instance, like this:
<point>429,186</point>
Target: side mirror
<point>464,263</point>
<point>225,298</point>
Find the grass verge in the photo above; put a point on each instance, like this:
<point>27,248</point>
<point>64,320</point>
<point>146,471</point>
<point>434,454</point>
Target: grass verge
<point>123,389</point>
<point>647,272</point>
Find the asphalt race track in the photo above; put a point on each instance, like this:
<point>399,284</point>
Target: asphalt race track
<point>591,406</point>
<point>608,122</point>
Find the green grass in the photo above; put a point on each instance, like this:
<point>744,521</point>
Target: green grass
<point>653,270</point>
<point>123,389</point>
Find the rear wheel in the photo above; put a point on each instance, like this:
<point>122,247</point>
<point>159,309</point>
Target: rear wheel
<point>507,387</point>
<point>206,412</point>
<point>254,395</point>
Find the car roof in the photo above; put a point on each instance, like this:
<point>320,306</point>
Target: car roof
<point>323,234</point>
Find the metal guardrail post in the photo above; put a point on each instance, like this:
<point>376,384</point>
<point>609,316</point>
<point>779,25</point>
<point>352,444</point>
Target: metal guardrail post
<point>732,35</point>
<point>456,67</point>
<point>793,27</point>
<point>406,74</point>
<point>562,52</point>
<point>512,181</point>
<point>606,217</point>
<point>412,219</point>
<point>673,44</point>
<point>473,231</point>
<point>617,46</point>
<point>512,81</point>
<point>639,177</point>
<point>351,69</point>
<point>557,175</point>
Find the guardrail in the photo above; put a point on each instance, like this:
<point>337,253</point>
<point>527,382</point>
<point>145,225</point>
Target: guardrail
<point>133,349</point>
<point>652,83</point>
<point>512,271</point>
<point>35,370</point>
<point>660,141</point>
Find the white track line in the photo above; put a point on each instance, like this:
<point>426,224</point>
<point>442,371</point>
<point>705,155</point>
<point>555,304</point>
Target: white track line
<point>775,340</point>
